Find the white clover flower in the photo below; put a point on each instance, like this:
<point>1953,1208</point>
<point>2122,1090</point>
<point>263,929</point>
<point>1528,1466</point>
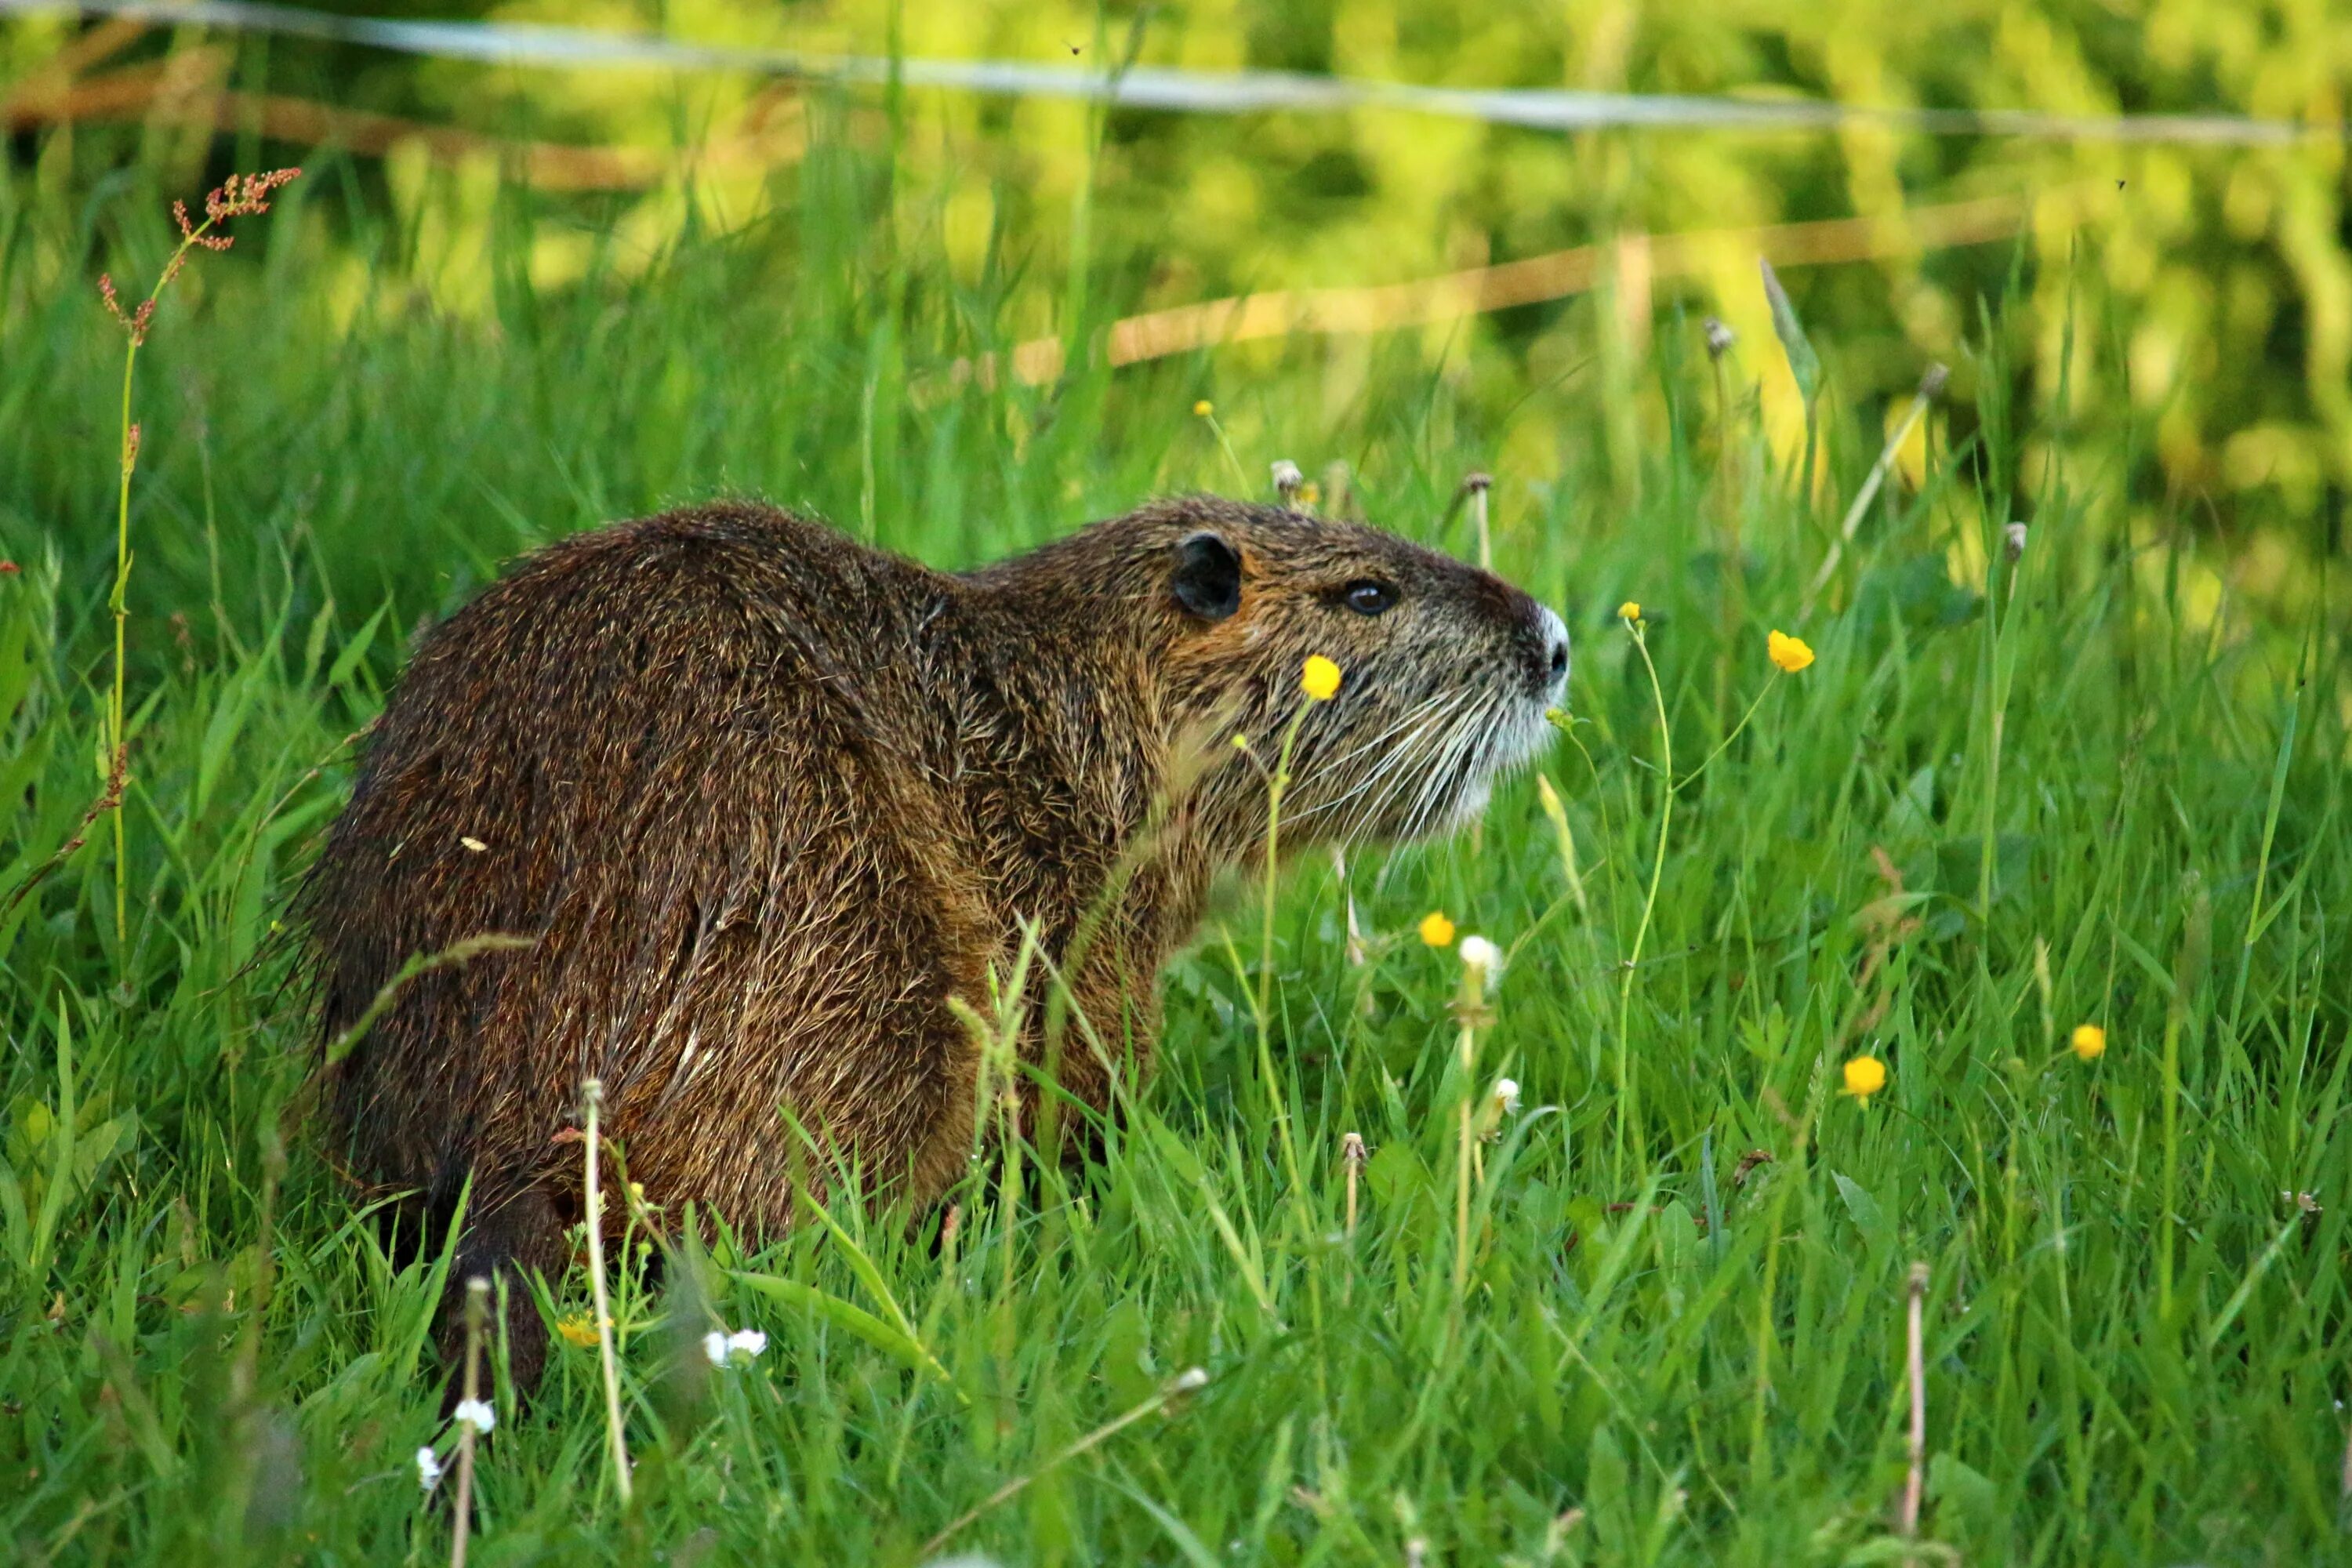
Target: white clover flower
<point>428,1469</point>
<point>724,1349</point>
<point>477,1414</point>
<point>1505,1097</point>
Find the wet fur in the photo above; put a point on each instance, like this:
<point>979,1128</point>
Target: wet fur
<point>766,799</point>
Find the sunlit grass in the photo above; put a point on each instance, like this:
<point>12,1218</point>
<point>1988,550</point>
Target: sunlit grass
<point>1654,1313</point>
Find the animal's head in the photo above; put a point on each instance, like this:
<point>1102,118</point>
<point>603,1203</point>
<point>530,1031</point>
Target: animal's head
<point>1445,670</point>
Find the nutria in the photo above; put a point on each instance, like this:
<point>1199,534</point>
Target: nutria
<point>766,799</point>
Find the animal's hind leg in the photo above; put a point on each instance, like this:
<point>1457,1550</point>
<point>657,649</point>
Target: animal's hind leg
<point>512,1232</point>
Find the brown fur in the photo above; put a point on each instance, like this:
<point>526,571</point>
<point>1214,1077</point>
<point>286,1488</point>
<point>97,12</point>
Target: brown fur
<point>767,799</point>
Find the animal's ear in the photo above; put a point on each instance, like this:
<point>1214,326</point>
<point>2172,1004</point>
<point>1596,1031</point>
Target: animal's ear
<point>1208,577</point>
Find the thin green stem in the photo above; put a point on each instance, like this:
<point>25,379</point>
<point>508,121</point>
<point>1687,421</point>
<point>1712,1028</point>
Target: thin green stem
<point>1684,781</point>
<point>1468,1055</point>
<point>1627,1109</point>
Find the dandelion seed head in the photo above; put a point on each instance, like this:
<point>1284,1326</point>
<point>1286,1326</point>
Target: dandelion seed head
<point>1505,1097</point>
<point>1483,956</point>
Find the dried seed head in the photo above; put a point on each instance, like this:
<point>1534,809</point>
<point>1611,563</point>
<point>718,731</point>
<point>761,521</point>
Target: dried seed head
<point>1931,385</point>
<point>2013,542</point>
<point>1351,1148</point>
<point>1287,481</point>
<point>1719,337</point>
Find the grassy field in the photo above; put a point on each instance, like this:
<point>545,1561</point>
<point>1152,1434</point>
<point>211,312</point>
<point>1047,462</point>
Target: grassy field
<point>2099,786</point>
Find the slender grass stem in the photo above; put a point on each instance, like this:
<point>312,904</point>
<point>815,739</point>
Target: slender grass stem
<point>1628,1109</point>
<point>593,1094</point>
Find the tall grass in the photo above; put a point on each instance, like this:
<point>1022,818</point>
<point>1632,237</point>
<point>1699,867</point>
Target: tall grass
<point>2007,798</point>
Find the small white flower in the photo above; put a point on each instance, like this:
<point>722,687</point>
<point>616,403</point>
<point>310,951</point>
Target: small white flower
<point>1506,1097</point>
<point>477,1414</point>
<point>428,1469</point>
<point>1482,956</point>
<point>730,1350</point>
<point>1191,1379</point>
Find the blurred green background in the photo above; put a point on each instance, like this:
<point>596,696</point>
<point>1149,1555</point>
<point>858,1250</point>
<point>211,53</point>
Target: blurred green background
<point>2208,289</point>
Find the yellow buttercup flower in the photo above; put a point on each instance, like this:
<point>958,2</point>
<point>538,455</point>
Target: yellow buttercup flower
<point>577,1329</point>
<point>1790,653</point>
<point>1320,679</point>
<point>1203,408</point>
<point>1436,930</point>
<point>1630,610</point>
<point>1865,1076</point>
<point>2089,1042</point>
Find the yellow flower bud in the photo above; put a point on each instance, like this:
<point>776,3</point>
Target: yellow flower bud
<point>1203,408</point>
<point>2089,1042</point>
<point>1630,610</point>
<point>1320,679</point>
<point>1436,930</point>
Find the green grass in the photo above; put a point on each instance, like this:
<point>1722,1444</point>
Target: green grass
<point>2103,799</point>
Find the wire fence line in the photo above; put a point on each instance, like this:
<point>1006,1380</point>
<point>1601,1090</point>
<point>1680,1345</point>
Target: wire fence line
<point>1177,90</point>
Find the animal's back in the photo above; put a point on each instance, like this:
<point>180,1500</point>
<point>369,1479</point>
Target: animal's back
<point>681,756</point>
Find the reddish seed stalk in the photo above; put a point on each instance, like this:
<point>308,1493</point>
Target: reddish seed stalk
<point>240,195</point>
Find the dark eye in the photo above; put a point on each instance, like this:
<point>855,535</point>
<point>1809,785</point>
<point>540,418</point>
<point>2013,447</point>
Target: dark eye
<point>1370,597</point>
